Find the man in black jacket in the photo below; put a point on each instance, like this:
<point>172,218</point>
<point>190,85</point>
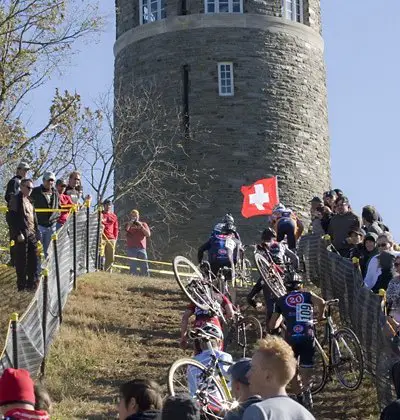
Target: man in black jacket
<point>13,189</point>
<point>24,231</point>
<point>46,197</point>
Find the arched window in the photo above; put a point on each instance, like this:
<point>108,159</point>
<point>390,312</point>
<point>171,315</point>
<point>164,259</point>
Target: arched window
<point>293,10</point>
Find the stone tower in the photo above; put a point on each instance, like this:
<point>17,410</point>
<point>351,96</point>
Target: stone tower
<point>249,78</point>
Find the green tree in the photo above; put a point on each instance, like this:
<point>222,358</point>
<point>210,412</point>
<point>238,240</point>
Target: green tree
<point>36,39</point>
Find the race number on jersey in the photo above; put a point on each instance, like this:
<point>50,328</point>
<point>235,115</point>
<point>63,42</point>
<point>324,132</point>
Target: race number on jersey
<point>230,244</point>
<point>304,312</point>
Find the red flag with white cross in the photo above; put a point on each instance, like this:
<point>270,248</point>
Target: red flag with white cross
<point>260,198</point>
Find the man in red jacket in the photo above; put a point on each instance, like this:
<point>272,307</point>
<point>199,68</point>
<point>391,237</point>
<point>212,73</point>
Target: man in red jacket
<point>65,202</point>
<point>137,233</point>
<point>110,234</point>
<point>17,396</point>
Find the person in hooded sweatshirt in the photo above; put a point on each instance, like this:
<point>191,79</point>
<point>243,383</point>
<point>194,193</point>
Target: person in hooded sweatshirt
<point>17,396</point>
<point>140,399</point>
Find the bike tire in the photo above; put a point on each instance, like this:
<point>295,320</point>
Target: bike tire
<point>320,370</point>
<point>273,280</point>
<point>185,364</point>
<point>243,335</point>
<point>341,342</point>
<point>188,284</point>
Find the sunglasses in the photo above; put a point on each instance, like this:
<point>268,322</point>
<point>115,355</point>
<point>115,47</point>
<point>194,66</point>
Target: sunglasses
<point>382,245</point>
<point>29,188</point>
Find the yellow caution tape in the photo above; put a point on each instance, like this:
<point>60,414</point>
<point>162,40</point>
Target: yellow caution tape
<point>54,236</point>
<point>14,316</point>
<point>140,259</point>
<point>126,267</point>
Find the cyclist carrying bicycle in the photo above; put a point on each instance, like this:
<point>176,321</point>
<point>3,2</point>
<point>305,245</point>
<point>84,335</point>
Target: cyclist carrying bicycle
<point>296,309</point>
<point>210,342</point>
<point>223,250</point>
<point>203,317</point>
<point>278,252</point>
<point>286,223</point>
<point>227,219</point>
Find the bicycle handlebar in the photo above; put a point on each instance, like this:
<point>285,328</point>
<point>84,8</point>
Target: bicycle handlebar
<point>331,302</point>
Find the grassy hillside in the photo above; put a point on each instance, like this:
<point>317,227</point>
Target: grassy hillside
<point>118,328</point>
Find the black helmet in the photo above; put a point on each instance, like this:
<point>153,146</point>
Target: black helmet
<point>228,228</point>
<point>292,280</point>
<point>268,234</point>
<point>228,218</point>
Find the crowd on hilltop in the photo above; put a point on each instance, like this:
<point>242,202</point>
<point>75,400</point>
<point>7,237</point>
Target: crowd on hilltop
<point>366,240</point>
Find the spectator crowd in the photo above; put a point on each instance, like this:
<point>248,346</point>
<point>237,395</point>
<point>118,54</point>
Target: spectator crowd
<point>35,214</point>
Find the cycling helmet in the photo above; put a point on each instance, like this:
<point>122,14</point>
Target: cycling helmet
<point>228,218</point>
<point>213,330</point>
<point>279,206</point>
<point>267,234</point>
<point>217,228</point>
<point>292,280</point>
<point>275,248</point>
<point>228,228</point>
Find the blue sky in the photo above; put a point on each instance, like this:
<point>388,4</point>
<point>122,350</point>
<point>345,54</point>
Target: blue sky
<point>361,50</point>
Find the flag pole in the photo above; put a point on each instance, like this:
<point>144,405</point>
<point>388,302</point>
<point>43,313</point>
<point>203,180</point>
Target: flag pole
<point>277,188</point>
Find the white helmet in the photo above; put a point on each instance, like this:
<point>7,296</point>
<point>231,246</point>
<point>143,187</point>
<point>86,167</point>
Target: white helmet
<point>279,206</point>
<point>213,330</point>
<point>228,218</point>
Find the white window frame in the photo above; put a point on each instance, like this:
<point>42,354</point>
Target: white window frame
<point>148,4</point>
<point>232,93</point>
<point>294,10</point>
<point>216,3</point>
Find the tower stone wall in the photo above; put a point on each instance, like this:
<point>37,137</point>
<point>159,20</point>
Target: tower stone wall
<point>275,124</point>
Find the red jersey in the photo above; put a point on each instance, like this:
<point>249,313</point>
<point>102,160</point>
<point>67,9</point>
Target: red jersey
<point>202,317</point>
<point>110,224</point>
<point>24,414</point>
<point>65,202</point>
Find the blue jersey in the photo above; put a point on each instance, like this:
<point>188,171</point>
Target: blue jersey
<point>297,309</point>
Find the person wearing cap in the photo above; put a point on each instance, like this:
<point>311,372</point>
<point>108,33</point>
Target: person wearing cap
<point>13,184</point>
<point>17,396</point>
<point>341,224</point>
<point>24,231</point>
<point>65,202</point>
<point>241,389</point>
<point>13,189</point>
<point>46,197</point>
<point>355,241</point>
<point>137,233</point>
<point>110,233</point>
<point>315,202</point>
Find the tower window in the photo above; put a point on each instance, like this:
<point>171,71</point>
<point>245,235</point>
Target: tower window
<point>152,10</point>
<point>223,6</point>
<point>293,10</point>
<point>225,79</point>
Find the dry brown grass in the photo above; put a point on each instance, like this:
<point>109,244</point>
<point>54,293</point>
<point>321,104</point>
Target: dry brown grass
<point>11,299</point>
<point>118,327</point>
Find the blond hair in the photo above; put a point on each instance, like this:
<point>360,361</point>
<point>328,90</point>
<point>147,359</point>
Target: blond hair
<point>278,357</point>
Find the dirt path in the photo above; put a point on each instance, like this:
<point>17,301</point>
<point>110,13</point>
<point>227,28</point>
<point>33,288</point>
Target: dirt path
<point>118,328</point>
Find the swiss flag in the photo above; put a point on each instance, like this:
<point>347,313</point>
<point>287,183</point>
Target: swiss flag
<point>260,198</point>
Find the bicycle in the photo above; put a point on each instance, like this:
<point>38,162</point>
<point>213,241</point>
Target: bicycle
<point>270,273</point>
<point>205,383</point>
<point>344,354</point>
<point>243,270</point>
<point>242,331</point>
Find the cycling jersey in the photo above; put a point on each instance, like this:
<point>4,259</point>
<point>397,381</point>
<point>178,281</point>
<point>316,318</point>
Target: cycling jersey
<point>222,250</point>
<point>205,316</point>
<point>195,378</point>
<point>297,309</point>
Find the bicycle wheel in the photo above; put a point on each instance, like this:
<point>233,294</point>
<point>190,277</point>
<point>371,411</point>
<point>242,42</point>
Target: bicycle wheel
<point>243,335</point>
<point>319,374</point>
<point>347,358</point>
<point>273,279</point>
<point>192,377</point>
<point>192,283</point>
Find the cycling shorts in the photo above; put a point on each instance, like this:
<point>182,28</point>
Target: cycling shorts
<point>304,350</point>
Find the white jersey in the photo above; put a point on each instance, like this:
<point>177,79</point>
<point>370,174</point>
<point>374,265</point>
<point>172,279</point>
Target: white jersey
<point>204,357</point>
